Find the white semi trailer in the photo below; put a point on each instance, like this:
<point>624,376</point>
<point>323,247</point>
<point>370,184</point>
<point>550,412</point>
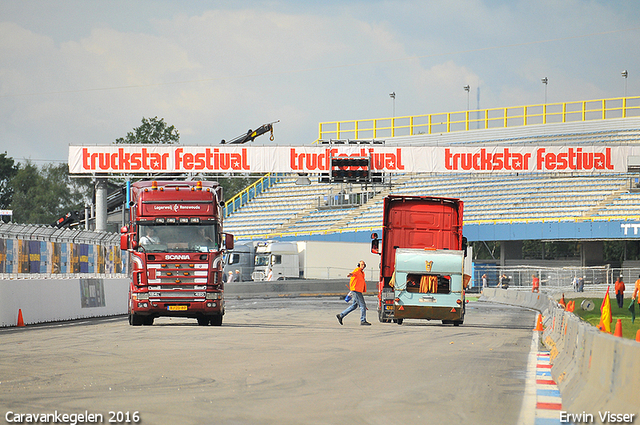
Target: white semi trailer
<point>275,260</point>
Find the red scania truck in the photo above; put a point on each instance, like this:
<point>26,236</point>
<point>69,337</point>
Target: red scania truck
<point>422,260</point>
<point>175,242</point>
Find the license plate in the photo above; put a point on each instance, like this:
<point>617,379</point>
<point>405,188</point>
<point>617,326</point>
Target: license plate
<point>388,307</point>
<point>177,307</point>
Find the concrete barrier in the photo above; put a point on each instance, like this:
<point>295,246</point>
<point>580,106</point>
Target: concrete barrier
<point>291,288</point>
<point>52,300</point>
<point>595,371</point>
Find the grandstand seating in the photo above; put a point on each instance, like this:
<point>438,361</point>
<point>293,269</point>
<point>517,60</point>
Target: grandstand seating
<point>285,205</point>
<point>286,208</point>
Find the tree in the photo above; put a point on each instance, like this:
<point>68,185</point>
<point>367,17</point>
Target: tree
<point>8,169</point>
<point>152,131</point>
<point>486,250</point>
<point>231,186</point>
<point>41,196</point>
<point>156,131</point>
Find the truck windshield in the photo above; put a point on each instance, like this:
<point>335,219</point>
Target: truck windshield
<point>178,238</point>
<point>262,260</point>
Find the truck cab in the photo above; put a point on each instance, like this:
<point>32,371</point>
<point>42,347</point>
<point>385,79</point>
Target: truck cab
<point>242,259</point>
<point>276,261</point>
<point>176,243</point>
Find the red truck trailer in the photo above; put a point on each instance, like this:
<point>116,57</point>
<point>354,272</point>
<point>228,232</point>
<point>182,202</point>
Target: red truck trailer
<point>175,242</point>
<point>421,260</point>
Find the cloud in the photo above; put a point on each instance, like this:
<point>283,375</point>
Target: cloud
<point>214,73</point>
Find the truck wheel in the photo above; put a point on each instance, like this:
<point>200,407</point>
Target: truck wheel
<point>399,321</point>
<point>148,321</point>
<point>216,320</point>
<point>135,319</point>
<point>382,317</point>
<point>203,320</point>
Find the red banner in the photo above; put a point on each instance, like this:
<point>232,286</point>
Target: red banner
<point>136,159</point>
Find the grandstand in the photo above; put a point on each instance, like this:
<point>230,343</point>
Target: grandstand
<point>498,206</point>
<point>289,208</point>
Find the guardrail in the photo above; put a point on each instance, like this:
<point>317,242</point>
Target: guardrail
<point>513,116</point>
<point>626,217</point>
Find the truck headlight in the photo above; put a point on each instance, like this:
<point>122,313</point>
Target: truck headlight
<point>213,296</point>
<point>142,296</point>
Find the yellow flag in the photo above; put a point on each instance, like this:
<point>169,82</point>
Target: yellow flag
<point>605,314</point>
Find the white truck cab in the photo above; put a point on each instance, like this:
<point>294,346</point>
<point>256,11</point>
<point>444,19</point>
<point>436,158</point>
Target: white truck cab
<point>276,261</point>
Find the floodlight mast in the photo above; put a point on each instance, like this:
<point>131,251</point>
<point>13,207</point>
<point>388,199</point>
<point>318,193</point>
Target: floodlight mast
<point>252,134</point>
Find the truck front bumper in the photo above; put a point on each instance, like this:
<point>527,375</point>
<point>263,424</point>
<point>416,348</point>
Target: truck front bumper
<point>178,309</point>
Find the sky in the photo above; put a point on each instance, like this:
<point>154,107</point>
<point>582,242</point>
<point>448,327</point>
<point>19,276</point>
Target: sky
<point>87,71</point>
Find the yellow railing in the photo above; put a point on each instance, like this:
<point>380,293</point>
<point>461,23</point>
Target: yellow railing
<point>248,193</point>
<point>514,116</point>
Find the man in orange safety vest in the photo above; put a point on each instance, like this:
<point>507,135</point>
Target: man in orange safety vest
<point>357,286</point>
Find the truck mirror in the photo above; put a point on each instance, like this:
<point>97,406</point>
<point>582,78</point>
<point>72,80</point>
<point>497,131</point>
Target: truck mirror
<point>375,245</point>
<point>124,239</point>
<point>464,245</point>
<point>228,241</point>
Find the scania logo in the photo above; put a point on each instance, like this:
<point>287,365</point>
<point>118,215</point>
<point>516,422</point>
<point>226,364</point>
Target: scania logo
<point>177,257</point>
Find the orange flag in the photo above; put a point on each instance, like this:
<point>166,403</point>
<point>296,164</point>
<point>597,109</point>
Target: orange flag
<point>605,314</point>
<point>570,306</point>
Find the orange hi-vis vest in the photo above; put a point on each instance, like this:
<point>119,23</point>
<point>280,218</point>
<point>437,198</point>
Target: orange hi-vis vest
<point>357,282</point>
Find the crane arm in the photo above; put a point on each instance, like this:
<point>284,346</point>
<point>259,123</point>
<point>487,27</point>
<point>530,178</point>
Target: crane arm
<point>252,134</point>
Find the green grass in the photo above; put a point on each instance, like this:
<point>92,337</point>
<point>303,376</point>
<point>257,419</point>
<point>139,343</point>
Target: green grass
<point>628,329</point>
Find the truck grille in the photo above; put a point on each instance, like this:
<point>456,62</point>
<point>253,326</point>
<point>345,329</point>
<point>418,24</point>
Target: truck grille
<point>177,273</point>
<point>177,282</point>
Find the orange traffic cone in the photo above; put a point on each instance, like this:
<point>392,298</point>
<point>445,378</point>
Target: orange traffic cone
<point>561,302</point>
<point>618,331</point>
<point>539,323</point>
<point>571,306</point>
<point>20,320</point>
<point>638,336</point>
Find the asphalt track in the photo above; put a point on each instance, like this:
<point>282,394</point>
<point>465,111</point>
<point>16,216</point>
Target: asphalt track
<point>274,361</point>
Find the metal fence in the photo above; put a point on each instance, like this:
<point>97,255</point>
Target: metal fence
<point>37,252</point>
<point>552,277</point>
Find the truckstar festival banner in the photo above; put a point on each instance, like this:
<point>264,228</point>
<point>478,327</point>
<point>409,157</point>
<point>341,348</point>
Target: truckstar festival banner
<point>134,159</point>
